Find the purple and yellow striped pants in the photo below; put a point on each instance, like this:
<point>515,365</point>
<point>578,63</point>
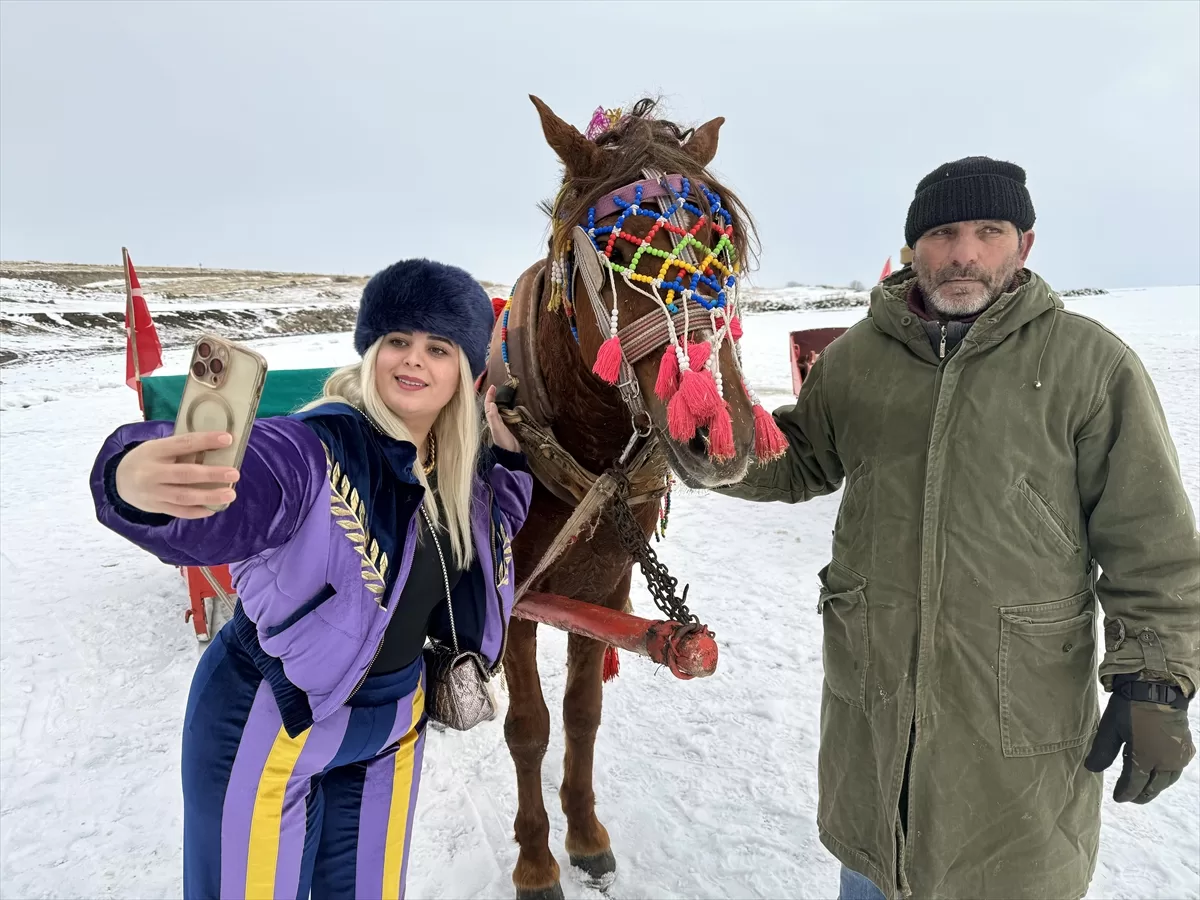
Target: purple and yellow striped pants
<point>328,812</point>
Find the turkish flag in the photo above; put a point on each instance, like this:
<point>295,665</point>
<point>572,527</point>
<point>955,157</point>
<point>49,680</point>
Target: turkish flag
<point>143,350</point>
<point>887,269</point>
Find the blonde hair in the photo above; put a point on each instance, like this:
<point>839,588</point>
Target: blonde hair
<point>456,432</point>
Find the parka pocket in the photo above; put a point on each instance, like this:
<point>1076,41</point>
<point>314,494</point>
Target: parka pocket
<point>1048,699</point>
<point>1055,524</point>
<point>846,646</point>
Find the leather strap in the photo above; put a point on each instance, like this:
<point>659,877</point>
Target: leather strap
<point>522,346</point>
<point>649,333</point>
<point>569,481</point>
<point>652,189</point>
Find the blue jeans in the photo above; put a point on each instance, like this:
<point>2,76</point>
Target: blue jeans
<point>858,887</point>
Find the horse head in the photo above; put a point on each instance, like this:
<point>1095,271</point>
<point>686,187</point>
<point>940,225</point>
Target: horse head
<point>646,250</point>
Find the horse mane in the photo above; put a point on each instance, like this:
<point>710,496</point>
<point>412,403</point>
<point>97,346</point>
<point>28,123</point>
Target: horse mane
<point>638,141</point>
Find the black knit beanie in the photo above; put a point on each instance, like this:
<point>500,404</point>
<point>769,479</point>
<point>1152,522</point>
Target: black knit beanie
<point>972,188</point>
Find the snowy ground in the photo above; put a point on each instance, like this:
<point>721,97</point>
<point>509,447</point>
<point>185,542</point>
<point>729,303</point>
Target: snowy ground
<point>707,787</point>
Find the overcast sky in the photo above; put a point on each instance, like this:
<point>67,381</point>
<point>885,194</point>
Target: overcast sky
<point>340,137</point>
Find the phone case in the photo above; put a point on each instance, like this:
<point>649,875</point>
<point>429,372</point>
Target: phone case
<point>224,384</point>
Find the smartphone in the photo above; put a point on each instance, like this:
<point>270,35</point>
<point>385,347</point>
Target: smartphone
<point>224,385</point>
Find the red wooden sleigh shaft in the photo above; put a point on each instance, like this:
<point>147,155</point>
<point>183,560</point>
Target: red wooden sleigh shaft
<point>687,653</point>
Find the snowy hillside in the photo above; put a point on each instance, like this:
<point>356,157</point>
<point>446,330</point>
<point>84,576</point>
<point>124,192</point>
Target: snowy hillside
<point>708,787</point>
<point>44,305</point>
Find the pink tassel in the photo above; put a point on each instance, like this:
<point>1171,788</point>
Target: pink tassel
<point>720,435</point>
<point>681,423</point>
<point>612,663</point>
<point>668,375</point>
<point>699,392</point>
<point>735,328</point>
<point>698,355</point>
<point>608,360</point>
<point>769,441</point>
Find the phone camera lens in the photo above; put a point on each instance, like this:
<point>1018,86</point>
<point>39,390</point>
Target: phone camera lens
<point>217,366</point>
<point>204,350</point>
<point>199,369</point>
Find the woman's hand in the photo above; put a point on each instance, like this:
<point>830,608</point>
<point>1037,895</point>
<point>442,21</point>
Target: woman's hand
<point>501,436</point>
<point>151,478</point>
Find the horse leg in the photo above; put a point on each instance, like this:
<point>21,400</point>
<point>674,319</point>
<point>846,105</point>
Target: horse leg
<point>527,731</point>
<point>587,840</point>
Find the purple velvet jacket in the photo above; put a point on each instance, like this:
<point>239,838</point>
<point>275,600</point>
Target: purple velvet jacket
<point>320,542</point>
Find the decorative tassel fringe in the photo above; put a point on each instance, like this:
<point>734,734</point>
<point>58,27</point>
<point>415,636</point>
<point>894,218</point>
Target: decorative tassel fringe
<point>608,360</point>
<point>735,328</point>
<point>720,435</point>
<point>698,355</point>
<point>769,441</point>
<point>700,394</point>
<point>681,422</point>
<point>612,663</point>
<point>668,375</point>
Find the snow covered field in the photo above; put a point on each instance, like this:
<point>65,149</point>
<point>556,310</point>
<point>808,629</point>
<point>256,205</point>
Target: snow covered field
<point>708,788</point>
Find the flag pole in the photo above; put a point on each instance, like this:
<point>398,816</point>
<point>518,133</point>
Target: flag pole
<point>131,326</point>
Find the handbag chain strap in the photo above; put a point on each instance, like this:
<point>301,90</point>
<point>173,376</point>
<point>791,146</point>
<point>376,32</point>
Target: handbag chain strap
<point>445,576</point>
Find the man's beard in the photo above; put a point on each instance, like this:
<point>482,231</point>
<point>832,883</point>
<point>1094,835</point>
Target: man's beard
<point>953,299</point>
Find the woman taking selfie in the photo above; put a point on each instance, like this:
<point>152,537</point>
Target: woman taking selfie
<point>358,527</point>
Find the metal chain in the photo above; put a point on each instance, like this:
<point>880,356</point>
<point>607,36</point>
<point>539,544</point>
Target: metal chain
<point>659,581</point>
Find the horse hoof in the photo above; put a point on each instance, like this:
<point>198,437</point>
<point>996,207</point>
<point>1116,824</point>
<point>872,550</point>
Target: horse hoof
<point>551,893</point>
<point>600,870</point>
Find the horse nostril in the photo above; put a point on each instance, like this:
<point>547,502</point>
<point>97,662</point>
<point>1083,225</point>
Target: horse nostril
<point>699,442</point>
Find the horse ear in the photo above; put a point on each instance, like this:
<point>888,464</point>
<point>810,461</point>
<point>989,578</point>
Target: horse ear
<point>702,146</point>
<point>578,154</point>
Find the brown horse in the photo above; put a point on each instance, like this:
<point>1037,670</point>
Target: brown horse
<point>592,421</point>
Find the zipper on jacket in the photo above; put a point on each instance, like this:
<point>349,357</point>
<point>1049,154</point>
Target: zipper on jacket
<point>942,345</point>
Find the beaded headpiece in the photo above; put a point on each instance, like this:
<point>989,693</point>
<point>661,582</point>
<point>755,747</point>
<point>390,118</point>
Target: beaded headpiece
<point>689,377</point>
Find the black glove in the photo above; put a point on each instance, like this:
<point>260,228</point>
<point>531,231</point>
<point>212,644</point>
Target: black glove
<point>1150,719</point>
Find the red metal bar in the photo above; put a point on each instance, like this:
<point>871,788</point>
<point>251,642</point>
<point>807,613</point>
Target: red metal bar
<point>200,590</point>
<point>687,652</point>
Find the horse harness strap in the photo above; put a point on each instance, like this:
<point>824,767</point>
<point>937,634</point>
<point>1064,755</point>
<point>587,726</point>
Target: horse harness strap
<point>643,336</point>
<point>555,467</point>
<point>564,476</point>
<point>609,489</point>
<point>636,481</point>
<point>522,345</point>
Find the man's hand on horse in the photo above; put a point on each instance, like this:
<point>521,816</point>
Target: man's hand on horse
<point>151,478</point>
<point>501,436</point>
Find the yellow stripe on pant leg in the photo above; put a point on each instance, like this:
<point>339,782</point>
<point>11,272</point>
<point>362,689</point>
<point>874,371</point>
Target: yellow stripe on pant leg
<point>402,782</point>
<point>263,853</point>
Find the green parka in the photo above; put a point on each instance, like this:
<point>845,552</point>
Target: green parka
<point>960,648</point>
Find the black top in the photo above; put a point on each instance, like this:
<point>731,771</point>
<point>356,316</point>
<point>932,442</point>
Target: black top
<point>424,590</point>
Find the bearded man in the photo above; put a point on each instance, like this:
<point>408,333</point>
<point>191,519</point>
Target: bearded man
<point>1006,464</point>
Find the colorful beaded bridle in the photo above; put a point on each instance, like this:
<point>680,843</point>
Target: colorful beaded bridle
<point>689,376</point>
